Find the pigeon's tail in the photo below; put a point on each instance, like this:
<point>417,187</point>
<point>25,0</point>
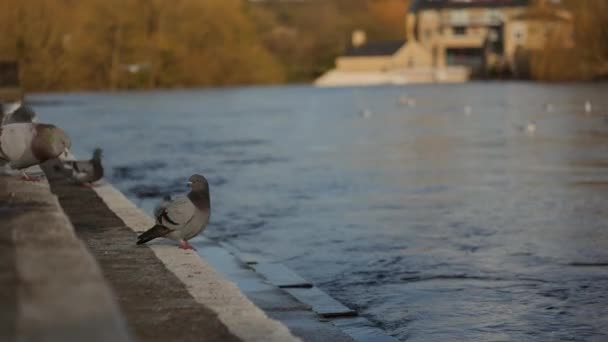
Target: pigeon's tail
<point>153,233</point>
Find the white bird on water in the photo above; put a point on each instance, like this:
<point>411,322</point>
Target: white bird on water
<point>468,110</point>
<point>549,107</point>
<point>531,127</point>
<point>588,107</point>
<point>407,101</point>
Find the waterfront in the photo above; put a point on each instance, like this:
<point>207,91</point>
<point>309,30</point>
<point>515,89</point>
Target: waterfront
<point>436,223</point>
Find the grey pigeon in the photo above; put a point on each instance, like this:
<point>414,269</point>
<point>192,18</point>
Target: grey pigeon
<point>86,171</point>
<point>21,114</point>
<point>184,217</point>
<point>26,144</point>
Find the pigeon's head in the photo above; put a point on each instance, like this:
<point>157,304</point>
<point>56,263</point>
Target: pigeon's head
<point>50,142</point>
<point>97,153</point>
<point>198,183</point>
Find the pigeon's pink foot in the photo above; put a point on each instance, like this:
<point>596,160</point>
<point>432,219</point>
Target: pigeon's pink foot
<point>185,245</point>
<point>28,178</point>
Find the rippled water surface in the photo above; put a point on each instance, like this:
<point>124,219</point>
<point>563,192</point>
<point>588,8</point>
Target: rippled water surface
<point>437,224</point>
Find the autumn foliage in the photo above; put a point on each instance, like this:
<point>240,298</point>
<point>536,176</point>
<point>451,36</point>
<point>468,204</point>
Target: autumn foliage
<point>588,59</point>
<point>101,44</point>
<point>125,44</point>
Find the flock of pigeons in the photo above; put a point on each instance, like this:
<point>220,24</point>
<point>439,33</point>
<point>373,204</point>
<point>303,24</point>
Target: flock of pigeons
<point>25,142</point>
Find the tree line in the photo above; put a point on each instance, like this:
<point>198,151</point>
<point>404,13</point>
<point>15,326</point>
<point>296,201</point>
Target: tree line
<point>128,44</point>
<point>125,44</point>
<point>588,60</point>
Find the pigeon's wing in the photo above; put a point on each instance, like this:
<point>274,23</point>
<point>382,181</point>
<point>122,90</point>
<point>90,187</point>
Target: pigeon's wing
<point>158,210</point>
<point>80,166</point>
<point>177,213</point>
<point>21,114</point>
<point>16,140</point>
<point>10,108</point>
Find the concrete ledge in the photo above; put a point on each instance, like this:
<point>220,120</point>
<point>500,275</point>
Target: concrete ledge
<point>236,312</point>
<point>58,291</point>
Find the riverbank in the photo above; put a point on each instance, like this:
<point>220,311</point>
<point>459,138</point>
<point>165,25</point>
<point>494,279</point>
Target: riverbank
<point>151,292</point>
<point>75,275</point>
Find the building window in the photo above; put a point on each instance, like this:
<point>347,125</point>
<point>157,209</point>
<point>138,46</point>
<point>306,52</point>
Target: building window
<point>459,30</point>
<point>493,16</point>
<point>459,17</point>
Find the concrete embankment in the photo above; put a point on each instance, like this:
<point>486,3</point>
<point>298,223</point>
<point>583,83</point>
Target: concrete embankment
<point>79,276</point>
<point>52,288</point>
<point>166,294</point>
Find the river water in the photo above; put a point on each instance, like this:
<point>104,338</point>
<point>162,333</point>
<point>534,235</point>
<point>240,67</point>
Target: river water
<point>442,220</point>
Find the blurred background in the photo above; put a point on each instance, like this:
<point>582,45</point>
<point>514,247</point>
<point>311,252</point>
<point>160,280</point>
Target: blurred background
<point>473,211</point>
<point>143,44</point>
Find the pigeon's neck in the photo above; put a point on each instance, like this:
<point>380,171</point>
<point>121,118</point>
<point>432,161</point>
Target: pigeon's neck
<point>200,199</point>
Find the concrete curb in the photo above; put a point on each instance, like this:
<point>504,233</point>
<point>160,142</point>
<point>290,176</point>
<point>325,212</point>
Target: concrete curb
<point>208,287</point>
<point>61,294</point>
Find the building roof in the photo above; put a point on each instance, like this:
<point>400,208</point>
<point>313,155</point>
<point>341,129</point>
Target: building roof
<point>438,4</point>
<point>383,48</point>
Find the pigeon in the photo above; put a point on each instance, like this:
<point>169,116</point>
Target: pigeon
<point>85,171</point>
<point>184,217</point>
<point>26,144</point>
<point>20,114</point>
<point>10,107</point>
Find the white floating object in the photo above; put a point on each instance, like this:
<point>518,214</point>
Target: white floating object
<point>588,107</point>
<point>407,101</point>
<point>366,113</point>
<point>549,107</point>
<point>531,127</point>
<point>468,110</point>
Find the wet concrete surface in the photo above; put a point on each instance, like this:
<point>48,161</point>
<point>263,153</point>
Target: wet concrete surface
<point>8,273</point>
<point>156,304</point>
<point>307,311</point>
<point>278,304</point>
